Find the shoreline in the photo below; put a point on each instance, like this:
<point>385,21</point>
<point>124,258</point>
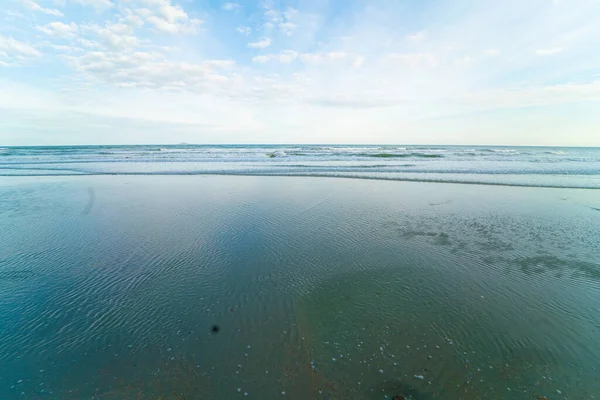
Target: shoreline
<point>299,175</point>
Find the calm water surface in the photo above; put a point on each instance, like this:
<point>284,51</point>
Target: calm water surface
<point>322,288</point>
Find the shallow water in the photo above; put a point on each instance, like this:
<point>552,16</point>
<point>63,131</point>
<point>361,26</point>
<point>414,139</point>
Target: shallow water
<point>322,288</point>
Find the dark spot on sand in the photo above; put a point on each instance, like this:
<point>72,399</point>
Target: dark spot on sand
<point>442,239</point>
<point>546,263</point>
<point>441,203</point>
<point>412,234</point>
<point>215,329</point>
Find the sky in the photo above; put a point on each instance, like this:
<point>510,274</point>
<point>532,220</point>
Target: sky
<point>511,72</point>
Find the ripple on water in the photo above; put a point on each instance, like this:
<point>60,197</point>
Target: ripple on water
<point>353,294</point>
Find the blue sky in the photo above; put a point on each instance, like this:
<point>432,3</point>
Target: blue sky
<point>521,72</point>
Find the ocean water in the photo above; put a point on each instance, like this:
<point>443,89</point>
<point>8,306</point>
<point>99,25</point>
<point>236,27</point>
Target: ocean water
<point>519,166</point>
<point>271,287</point>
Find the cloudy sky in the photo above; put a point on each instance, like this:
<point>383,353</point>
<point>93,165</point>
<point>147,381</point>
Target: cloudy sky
<point>517,72</point>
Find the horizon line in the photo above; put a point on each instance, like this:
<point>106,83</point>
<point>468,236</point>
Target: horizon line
<point>296,144</point>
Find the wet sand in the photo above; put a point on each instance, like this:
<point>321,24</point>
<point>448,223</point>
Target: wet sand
<point>321,288</point>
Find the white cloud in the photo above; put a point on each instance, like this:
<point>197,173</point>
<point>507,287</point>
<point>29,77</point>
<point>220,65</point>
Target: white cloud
<point>11,49</point>
<point>414,60</point>
<point>98,5</point>
<point>244,30</point>
<point>465,61</point>
<point>115,36</point>
<point>225,64</point>
<point>532,96</point>
<point>59,29</point>
<point>89,44</point>
<point>337,55</point>
<point>549,52</point>
<point>140,69</point>
<point>64,49</point>
<point>144,12</point>
<point>231,6</point>
<point>283,21</point>
<point>417,36</point>
<point>132,20</point>
<point>163,25</point>
<point>285,57</point>
<point>11,16</point>
<point>33,6</point>
<point>172,13</point>
<point>354,100</point>
<point>312,58</point>
<point>358,61</point>
<point>491,52</point>
<point>261,59</point>
<point>287,28</point>
<point>168,18</point>
<point>261,44</point>
<point>322,57</point>
<point>273,16</point>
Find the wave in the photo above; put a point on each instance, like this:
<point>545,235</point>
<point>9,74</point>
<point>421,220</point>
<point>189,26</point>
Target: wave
<point>274,154</point>
<point>395,155</point>
<point>316,148</point>
<point>351,167</point>
<point>502,151</point>
<point>447,164</point>
<point>384,148</point>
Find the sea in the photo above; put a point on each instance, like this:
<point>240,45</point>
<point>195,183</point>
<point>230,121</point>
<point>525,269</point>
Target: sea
<point>263,272</point>
<point>517,166</point>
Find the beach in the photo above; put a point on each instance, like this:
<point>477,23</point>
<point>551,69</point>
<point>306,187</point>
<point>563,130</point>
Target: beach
<point>301,200</point>
<point>217,287</point>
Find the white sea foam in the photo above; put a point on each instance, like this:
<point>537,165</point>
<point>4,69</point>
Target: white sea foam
<point>531,166</point>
